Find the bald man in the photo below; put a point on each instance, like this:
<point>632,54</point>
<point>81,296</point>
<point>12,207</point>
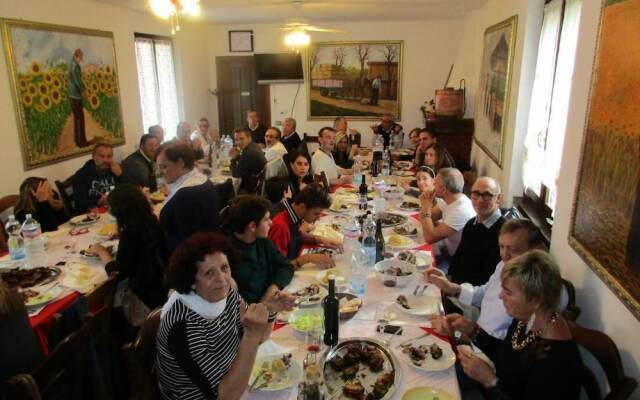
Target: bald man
<point>478,253</point>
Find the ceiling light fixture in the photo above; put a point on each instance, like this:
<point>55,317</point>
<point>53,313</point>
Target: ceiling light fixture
<point>297,39</point>
<point>171,9</point>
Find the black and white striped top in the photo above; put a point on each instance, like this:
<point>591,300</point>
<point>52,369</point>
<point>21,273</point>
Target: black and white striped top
<point>195,353</point>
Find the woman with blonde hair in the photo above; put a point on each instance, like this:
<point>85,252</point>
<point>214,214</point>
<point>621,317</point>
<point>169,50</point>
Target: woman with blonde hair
<point>41,201</point>
<point>344,153</point>
<point>538,357</point>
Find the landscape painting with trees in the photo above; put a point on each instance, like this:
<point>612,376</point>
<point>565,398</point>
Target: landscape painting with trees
<point>359,80</point>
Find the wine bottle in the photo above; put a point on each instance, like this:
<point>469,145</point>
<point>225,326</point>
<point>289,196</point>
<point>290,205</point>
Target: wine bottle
<point>363,191</point>
<point>331,316</point>
<point>379,241</point>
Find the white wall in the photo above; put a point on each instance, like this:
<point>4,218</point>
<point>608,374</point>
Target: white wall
<point>429,50</point>
<point>601,309</point>
<point>191,63</point>
<point>468,66</point>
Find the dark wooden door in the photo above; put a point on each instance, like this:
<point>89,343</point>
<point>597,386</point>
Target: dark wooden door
<point>238,91</point>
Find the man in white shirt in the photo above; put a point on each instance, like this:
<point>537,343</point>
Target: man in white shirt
<point>444,221</point>
<point>275,148</point>
<point>517,236</point>
<point>322,159</point>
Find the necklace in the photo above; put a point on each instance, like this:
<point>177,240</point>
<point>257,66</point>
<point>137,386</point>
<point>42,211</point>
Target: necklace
<point>531,336</point>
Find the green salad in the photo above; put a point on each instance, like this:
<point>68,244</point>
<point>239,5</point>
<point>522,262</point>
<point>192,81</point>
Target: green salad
<point>305,321</point>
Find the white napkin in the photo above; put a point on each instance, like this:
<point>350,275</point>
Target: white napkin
<point>271,348</point>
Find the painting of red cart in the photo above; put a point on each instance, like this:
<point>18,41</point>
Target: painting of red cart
<point>359,80</point>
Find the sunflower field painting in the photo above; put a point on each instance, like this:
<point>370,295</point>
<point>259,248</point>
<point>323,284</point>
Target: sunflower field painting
<point>65,87</point>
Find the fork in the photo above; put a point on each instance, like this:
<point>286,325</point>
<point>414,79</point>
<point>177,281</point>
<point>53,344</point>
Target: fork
<point>415,291</point>
<point>253,387</point>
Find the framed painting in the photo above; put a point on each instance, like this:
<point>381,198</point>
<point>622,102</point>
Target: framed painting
<point>65,89</point>
<point>358,80</point>
<point>605,225</point>
<point>494,87</point>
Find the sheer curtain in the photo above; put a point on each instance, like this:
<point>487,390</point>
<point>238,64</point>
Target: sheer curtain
<point>541,96</point>
<point>550,98</point>
<point>156,80</point>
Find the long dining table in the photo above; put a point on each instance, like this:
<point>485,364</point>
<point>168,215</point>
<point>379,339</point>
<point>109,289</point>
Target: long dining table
<point>377,301</point>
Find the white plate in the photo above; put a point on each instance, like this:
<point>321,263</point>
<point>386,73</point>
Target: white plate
<point>303,320</point>
<point>50,294</point>
<point>301,285</point>
<point>84,219</point>
<point>400,242</point>
<point>420,305</point>
<point>292,377</point>
<point>429,364</point>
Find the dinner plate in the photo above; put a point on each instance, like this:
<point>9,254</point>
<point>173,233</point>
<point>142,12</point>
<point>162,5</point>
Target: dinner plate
<point>427,393</point>
<point>409,206</point>
<point>342,276</point>
<point>396,241</point>
<point>406,230</point>
<point>346,314</point>
<point>108,230</point>
<point>404,173</point>
<point>420,305</point>
<point>327,231</point>
<point>446,361</point>
<point>281,379</point>
<point>342,206</point>
<point>308,300</point>
<point>84,219</point>
<point>48,295</point>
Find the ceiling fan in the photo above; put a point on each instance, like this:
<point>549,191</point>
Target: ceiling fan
<point>297,36</point>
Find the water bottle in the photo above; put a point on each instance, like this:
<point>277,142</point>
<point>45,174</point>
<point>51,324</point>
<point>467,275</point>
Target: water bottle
<point>369,240</point>
<point>15,242</point>
<point>379,143</point>
<point>350,244</point>
<point>358,278</point>
<point>386,163</point>
<point>33,243</point>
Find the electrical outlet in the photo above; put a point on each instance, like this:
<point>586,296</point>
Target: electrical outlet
<point>278,123</point>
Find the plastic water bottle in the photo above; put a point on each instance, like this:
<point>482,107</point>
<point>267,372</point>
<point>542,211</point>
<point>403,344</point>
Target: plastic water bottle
<point>350,244</point>
<point>378,143</point>
<point>386,163</point>
<point>358,278</point>
<point>369,240</point>
<point>15,242</point>
<point>33,243</point>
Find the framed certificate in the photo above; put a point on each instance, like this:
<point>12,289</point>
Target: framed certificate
<point>241,41</point>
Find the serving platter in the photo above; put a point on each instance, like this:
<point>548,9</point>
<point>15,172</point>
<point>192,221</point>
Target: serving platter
<point>356,362</point>
<point>84,219</point>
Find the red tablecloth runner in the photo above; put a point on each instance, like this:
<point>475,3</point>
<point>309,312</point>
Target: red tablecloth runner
<point>41,322</point>
<point>337,186</point>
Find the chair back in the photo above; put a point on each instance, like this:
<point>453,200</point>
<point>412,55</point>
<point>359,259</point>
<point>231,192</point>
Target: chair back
<point>61,375</point>
<point>252,184</point>
<point>225,192</point>
<point>140,356</point>
<point>22,387</point>
<point>572,311</point>
<point>275,167</point>
<point>309,143</point>
<point>100,306</point>
<point>7,203</point>
<point>65,189</point>
<point>606,352</point>
<point>321,179</point>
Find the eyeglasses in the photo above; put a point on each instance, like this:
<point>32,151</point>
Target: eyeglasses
<point>485,195</point>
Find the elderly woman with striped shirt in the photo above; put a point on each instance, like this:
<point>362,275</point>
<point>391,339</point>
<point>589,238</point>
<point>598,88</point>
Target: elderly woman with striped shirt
<point>208,336</point>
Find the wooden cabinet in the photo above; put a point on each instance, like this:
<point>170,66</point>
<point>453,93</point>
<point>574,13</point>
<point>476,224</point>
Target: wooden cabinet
<point>456,135</point>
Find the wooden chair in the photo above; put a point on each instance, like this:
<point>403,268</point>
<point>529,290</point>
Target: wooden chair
<point>61,375</point>
<point>572,311</point>
<point>6,203</point>
<point>100,305</point>
<point>225,192</point>
<point>252,184</point>
<point>321,179</point>
<point>606,352</point>
<point>140,356</point>
<point>309,143</point>
<point>65,189</point>
<point>22,387</point>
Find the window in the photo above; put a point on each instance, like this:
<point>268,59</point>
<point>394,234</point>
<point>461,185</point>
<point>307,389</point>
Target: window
<point>550,102</point>
<point>157,81</point>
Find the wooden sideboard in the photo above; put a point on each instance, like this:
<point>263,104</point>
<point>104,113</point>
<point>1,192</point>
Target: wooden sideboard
<point>456,135</point>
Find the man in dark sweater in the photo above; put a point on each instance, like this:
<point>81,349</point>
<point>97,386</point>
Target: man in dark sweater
<point>256,129</point>
<point>139,167</point>
<point>290,138</point>
<point>247,159</point>
<point>478,253</point>
<point>91,183</point>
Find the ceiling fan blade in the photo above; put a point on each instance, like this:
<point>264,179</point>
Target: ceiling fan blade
<point>328,30</point>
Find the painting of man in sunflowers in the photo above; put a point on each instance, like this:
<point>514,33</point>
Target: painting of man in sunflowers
<point>65,84</point>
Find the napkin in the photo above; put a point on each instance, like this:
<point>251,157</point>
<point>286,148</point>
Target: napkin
<point>271,348</point>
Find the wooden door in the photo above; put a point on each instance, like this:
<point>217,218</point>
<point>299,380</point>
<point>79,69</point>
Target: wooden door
<point>238,91</point>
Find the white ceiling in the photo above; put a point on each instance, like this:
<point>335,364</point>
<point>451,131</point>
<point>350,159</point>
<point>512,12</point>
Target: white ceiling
<point>277,11</point>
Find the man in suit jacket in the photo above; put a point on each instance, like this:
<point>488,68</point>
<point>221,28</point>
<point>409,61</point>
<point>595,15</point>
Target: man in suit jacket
<point>255,127</point>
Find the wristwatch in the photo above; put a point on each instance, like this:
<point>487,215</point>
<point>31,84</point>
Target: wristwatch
<point>425,214</point>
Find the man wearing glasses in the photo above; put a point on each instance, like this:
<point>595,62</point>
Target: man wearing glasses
<point>478,253</point>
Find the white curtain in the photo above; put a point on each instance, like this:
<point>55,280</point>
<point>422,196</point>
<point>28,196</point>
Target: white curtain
<point>561,92</point>
<point>156,80</point>
<point>541,96</point>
